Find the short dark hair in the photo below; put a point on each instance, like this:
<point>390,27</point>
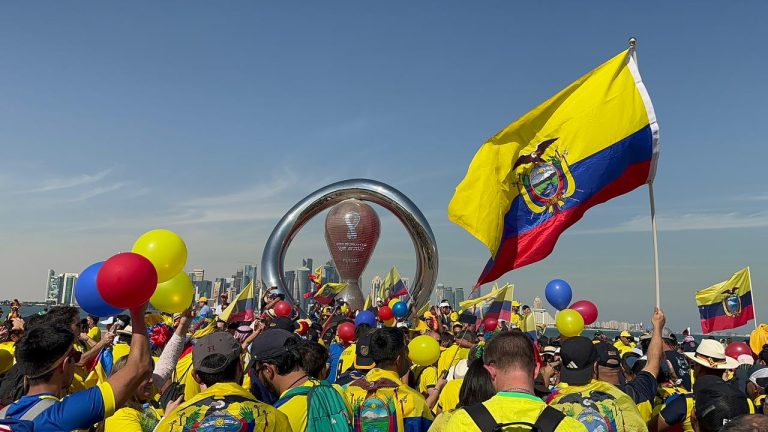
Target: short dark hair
<point>510,350</point>
<point>446,339</point>
<point>313,358</point>
<point>477,386</point>
<point>41,347</point>
<point>62,315</point>
<point>216,360</point>
<point>526,307</point>
<point>386,345</point>
<point>288,361</point>
<point>747,423</point>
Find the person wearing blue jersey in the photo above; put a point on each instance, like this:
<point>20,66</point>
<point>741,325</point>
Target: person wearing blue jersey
<point>47,359</point>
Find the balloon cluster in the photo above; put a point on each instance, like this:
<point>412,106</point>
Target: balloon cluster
<point>153,271</point>
<point>571,320</point>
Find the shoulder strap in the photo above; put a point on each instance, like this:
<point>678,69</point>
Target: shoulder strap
<point>549,419</point>
<point>41,405</point>
<point>482,417</point>
<point>296,391</point>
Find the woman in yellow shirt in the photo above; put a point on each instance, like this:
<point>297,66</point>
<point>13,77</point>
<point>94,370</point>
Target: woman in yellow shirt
<point>476,387</point>
<point>140,413</point>
<point>94,332</point>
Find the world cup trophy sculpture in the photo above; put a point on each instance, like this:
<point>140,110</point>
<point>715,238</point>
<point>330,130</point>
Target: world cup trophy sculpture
<point>352,230</point>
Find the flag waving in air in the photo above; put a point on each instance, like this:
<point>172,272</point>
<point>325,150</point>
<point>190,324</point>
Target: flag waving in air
<point>393,286</point>
<point>726,305</point>
<point>242,308</point>
<point>595,140</point>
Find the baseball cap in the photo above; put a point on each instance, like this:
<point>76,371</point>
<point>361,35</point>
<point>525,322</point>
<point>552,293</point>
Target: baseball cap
<point>270,344</point>
<point>578,356</point>
<point>515,303</point>
<point>221,343</point>
<point>717,402</point>
<point>607,355</point>
<point>203,299</point>
<point>363,359</point>
<point>283,323</point>
<point>625,334</point>
<point>444,303</point>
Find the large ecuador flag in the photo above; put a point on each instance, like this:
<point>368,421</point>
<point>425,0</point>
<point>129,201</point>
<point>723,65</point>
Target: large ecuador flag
<point>501,306</point>
<point>393,286</point>
<point>595,140</point>
<point>726,305</point>
<point>242,308</point>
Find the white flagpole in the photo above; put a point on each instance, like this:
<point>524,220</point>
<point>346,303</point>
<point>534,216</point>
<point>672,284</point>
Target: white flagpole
<point>632,45</point>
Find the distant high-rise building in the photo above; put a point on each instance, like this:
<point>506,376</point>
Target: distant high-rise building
<point>68,285</point>
<point>203,288</point>
<point>53,289</point>
<point>290,283</point>
<point>439,293</point>
<point>303,286</point>
<point>330,274</point>
<point>537,304</point>
<point>307,262</point>
<point>220,286</point>
<point>249,275</point>
<point>197,275</point>
<point>375,287</point>
<point>459,293</point>
<point>450,296</point>
<point>237,285</point>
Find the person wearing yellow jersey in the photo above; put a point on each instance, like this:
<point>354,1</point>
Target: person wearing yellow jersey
<point>380,400</point>
<point>596,404</point>
<point>624,344</point>
<point>47,359</point>
<point>278,363</point>
<point>509,359</point>
<point>529,323</point>
<point>475,387</point>
<point>515,319</point>
<point>222,404</point>
<point>450,353</point>
<point>94,332</point>
<point>449,395</point>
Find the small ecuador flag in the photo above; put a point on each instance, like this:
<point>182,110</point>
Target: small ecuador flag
<point>595,140</point>
<point>726,305</point>
<point>501,307</point>
<point>242,309</point>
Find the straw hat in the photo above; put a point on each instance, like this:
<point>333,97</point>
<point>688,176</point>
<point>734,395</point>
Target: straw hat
<point>711,354</point>
<point>458,370</point>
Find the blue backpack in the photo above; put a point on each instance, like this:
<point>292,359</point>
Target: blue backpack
<point>25,423</point>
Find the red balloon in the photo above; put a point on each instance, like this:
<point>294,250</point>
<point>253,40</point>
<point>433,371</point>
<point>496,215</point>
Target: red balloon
<point>587,310</point>
<point>283,309</point>
<point>490,324</point>
<point>735,349</point>
<point>385,313</point>
<point>126,280</point>
<point>346,331</point>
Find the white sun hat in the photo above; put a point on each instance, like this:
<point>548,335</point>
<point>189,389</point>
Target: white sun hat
<point>711,354</point>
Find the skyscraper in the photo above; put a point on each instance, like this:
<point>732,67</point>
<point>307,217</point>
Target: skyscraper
<point>537,304</point>
<point>197,275</point>
<point>303,286</point>
<point>219,287</point>
<point>53,288</point>
<point>203,288</point>
<point>450,296</point>
<point>330,274</point>
<point>290,283</point>
<point>375,287</point>
<point>68,284</point>
<point>249,275</point>
<point>237,285</point>
<point>307,262</point>
<point>439,293</point>
<point>459,293</point>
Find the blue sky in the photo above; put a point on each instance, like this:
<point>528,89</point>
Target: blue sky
<point>213,119</point>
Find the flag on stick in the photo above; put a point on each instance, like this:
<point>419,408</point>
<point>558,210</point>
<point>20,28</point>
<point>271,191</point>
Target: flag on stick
<point>501,306</point>
<point>726,305</point>
<point>595,140</point>
<point>393,285</point>
<point>328,291</point>
<point>242,308</point>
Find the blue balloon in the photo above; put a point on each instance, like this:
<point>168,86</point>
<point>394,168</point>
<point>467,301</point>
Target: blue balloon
<point>400,309</point>
<point>88,297</point>
<point>365,317</point>
<point>558,294</point>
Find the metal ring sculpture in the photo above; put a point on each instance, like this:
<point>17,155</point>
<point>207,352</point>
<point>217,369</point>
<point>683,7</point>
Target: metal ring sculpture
<point>273,257</point>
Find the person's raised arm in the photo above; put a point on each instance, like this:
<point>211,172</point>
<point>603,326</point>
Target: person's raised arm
<point>655,348</point>
<point>96,349</point>
<point>166,364</point>
<point>138,367</point>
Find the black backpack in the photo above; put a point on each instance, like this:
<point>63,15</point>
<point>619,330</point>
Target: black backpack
<point>548,420</point>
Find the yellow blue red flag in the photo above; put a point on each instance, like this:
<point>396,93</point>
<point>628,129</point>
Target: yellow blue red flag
<point>595,140</point>
<point>501,306</point>
<point>393,286</point>
<point>726,305</point>
<point>242,309</point>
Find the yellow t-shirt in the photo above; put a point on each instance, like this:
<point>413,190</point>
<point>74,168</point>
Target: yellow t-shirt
<point>95,334</point>
<point>347,358</point>
<point>529,323</point>
<point>440,423</point>
<point>623,349</point>
<point>295,408</point>
<point>599,406</point>
<point>131,420</point>
<point>516,320</point>
<point>426,377</point>
<point>449,357</point>
<point>449,397</point>
<point>244,413</point>
<point>7,359</point>
<point>509,407</point>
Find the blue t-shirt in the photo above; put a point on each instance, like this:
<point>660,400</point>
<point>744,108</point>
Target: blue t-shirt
<point>334,353</point>
<point>205,312</point>
<point>77,411</point>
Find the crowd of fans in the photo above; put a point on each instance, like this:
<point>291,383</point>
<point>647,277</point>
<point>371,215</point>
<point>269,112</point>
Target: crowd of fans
<point>194,372</point>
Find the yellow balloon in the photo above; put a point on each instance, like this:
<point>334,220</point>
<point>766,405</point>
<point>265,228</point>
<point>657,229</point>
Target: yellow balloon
<point>165,249</point>
<point>424,350</point>
<point>569,322</point>
<point>393,301</point>
<point>175,295</point>
<point>390,322</point>
<point>454,317</point>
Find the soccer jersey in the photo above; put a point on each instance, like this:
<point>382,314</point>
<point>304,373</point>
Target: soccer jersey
<point>598,406</point>
<point>510,407</point>
<point>128,419</point>
<point>78,411</point>
<point>449,397</point>
<point>381,401</point>
<point>95,334</point>
<point>347,359</point>
<point>224,407</point>
<point>449,357</point>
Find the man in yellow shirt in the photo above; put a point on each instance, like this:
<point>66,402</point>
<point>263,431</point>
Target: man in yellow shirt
<point>624,344</point>
<point>278,364</point>
<point>529,322</point>
<point>515,319</point>
<point>380,400</point>
<point>222,404</point>
<point>450,353</point>
<point>509,358</point>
